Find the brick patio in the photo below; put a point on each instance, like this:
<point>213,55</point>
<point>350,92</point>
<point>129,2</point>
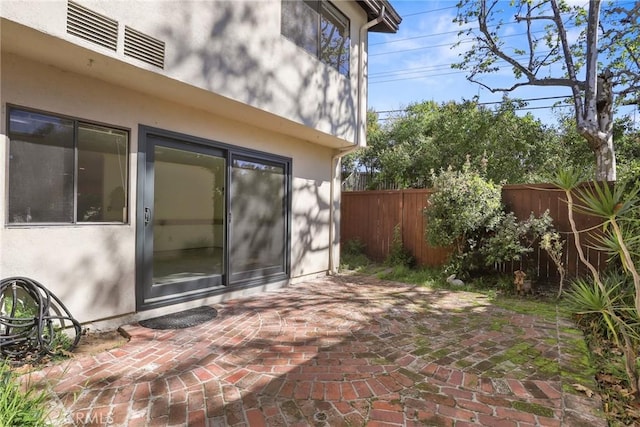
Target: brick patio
<point>338,351</point>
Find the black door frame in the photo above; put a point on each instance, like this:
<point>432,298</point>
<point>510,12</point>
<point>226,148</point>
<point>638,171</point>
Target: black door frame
<point>144,268</point>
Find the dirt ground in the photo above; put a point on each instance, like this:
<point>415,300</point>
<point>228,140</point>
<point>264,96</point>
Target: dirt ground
<point>95,342</point>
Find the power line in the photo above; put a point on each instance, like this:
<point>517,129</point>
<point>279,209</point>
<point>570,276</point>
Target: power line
<point>435,67</point>
<point>416,37</point>
<point>439,34</point>
<point>441,67</point>
<point>546,107</point>
<point>463,41</point>
<point>428,11</point>
<point>454,31</point>
<point>542,98</point>
<point>421,77</point>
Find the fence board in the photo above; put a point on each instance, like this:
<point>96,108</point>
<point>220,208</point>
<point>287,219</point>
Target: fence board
<point>370,216</point>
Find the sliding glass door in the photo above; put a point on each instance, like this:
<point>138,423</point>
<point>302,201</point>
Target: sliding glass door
<point>258,218</point>
<point>211,217</point>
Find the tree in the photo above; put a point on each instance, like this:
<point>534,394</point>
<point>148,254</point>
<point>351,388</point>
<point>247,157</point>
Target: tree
<point>429,136</point>
<point>553,59</point>
<point>627,139</point>
<point>365,160</point>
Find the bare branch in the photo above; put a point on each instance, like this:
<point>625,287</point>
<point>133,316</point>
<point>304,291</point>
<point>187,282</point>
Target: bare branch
<point>568,59</point>
<point>493,46</point>
<point>494,89</point>
<point>535,82</point>
<point>529,38</point>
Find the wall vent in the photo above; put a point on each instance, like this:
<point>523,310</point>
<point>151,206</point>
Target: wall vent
<point>143,47</point>
<point>92,26</point>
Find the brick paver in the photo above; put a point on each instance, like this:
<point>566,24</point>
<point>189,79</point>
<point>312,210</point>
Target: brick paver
<point>337,351</point>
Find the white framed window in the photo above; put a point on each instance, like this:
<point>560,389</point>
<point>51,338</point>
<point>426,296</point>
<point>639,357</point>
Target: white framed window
<point>65,171</point>
<point>319,28</point>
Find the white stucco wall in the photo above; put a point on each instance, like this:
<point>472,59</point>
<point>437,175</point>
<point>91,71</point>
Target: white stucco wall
<point>232,48</point>
<point>92,267</point>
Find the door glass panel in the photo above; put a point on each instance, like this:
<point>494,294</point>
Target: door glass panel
<point>188,215</point>
<point>258,232</point>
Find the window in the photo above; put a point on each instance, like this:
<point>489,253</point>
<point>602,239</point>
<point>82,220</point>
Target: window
<point>63,170</point>
<point>319,28</point>
<point>258,217</point>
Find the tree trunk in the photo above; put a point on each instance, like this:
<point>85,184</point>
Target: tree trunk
<point>596,126</point>
<point>605,159</point>
<point>603,147</point>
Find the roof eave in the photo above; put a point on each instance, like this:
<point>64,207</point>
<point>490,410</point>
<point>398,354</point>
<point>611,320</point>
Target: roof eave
<point>391,21</point>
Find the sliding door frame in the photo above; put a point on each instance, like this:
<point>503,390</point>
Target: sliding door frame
<point>144,268</point>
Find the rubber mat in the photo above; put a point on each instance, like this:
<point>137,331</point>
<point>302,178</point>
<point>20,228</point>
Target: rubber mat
<point>181,319</point>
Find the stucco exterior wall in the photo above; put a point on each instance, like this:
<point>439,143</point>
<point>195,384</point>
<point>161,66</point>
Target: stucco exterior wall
<point>231,48</point>
<point>92,267</point>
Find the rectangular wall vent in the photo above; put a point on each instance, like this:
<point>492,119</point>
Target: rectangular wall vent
<point>92,26</point>
<point>143,47</point>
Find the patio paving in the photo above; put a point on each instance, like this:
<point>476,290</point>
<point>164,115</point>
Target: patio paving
<point>337,351</point>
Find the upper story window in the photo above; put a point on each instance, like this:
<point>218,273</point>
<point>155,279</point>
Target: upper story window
<point>319,28</point>
<point>63,170</point>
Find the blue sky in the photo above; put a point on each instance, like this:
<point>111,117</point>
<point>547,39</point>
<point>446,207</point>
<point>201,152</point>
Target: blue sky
<point>414,65</point>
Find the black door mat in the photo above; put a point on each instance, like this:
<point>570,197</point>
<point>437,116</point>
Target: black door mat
<point>181,319</point>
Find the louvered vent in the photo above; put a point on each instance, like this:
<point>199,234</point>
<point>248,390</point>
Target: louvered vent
<point>143,47</point>
<point>92,26</point>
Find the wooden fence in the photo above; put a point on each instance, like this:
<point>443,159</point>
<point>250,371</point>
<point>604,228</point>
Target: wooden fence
<point>370,216</point>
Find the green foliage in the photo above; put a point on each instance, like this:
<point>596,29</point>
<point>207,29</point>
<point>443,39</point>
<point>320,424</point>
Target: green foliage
<point>463,204</point>
<point>430,136</point>
<point>353,247</point>
<point>617,207</point>
<point>20,407</point>
<point>613,205</point>
<point>465,213</point>
<point>424,276</point>
<point>352,256</point>
<point>570,150</point>
<point>24,311</point>
<point>462,207</point>
<point>511,238</point>
<point>398,254</point>
<point>627,139</point>
<point>595,307</point>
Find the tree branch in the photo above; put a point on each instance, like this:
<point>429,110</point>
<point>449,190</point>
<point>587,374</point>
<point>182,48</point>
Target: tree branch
<point>519,18</point>
<point>590,95</point>
<point>535,82</point>
<point>568,60</point>
<point>493,46</point>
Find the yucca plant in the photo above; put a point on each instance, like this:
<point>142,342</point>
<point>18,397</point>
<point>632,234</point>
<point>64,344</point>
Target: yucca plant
<point>611,204</point>
<point>600,310</point>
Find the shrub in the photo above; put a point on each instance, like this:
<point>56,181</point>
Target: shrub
<point>353,247</point>
<point>399,255</point>
<point>352,255</point>
<point>461,208</point>
<point>462,205</point>
<point>511,239</point>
